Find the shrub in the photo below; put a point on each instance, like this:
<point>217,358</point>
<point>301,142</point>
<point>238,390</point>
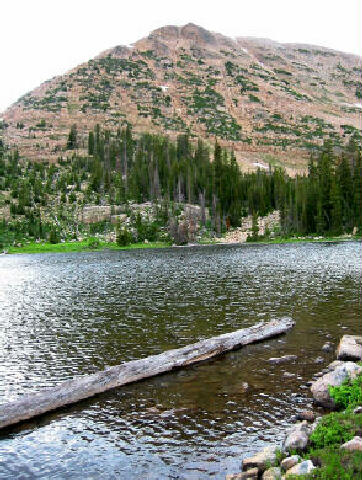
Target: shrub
<point>93,243</point>
<point>53,237</point>
<point>124,237</point>
<point>349,394</point>
<point>332,430</point>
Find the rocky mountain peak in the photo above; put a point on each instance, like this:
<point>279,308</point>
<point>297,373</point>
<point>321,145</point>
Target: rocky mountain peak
<point>270,102</point>
<point>190,31</point>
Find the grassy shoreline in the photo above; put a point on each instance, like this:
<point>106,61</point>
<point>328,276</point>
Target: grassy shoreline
<point>280,240</point>
<point>84,246</point>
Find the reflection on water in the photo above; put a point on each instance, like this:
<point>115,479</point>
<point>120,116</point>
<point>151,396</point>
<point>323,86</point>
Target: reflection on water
<point>64,315</point>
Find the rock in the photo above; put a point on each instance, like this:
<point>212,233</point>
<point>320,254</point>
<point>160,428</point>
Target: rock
<point>350,348</point>
<point>301,468</point>
<point>153,410</point>
<point>334,378</point>
<point>319,360</point>
<point>273,473</point>
<point>245,386</point>
<point>357,410</point>
<point>297,438</point>
<point>333,365</point>
<point>289,462</point>
<point>282,359</point>
<point>314,425</point>
<point>261,459</point>
<point>250,474</point>
<point>327,347</point>
<point>306,415</point>
<point>353,445</point>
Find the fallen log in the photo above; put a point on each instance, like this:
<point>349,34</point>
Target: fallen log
<point>72,391</point>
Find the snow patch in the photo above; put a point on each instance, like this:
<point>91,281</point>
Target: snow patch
<point>260,165</point>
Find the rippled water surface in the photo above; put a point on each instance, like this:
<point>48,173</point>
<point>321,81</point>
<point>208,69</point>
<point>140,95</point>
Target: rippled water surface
<point>64,315</point>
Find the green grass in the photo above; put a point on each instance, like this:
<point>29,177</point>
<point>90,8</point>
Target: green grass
<point>335,465</point>
<point>80,247</point>
<point>84,246</point>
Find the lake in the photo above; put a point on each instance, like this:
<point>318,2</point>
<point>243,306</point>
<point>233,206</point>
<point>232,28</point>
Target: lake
<point>63,315</point>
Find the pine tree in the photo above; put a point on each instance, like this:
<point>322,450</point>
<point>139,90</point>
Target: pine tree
<point>72,138</point>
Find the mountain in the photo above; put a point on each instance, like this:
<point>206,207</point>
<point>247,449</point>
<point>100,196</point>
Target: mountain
<point>271,102</point>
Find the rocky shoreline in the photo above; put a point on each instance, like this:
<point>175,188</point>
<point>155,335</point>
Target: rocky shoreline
<point>273,463</point>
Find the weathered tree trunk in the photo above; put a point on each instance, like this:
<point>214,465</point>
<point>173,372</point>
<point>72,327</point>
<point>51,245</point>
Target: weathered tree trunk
<point>86,386</point>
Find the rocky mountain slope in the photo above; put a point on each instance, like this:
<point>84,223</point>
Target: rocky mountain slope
<point>271,102</point>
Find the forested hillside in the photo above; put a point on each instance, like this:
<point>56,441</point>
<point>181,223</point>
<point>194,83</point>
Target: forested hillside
<point>156,189</point>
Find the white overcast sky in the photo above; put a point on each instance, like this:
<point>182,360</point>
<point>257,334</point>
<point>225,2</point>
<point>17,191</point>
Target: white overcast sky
<point>43,38</point>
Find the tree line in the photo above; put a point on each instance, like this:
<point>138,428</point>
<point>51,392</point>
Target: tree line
<point>120,168</point>
<point>325,200</point>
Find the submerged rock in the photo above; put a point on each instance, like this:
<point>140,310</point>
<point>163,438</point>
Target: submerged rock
<point>350,348</point>
<point>327,347</point>
<point>319,360</point>
<point>282,359</point>
<point>297,438</point>
<point>261,459</point>
<point>301,468</point>
<point>353,445</point>
<point>341,372</point>
<point>306,415</point>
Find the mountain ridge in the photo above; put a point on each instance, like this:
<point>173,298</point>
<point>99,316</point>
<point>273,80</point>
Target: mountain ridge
<point>270,102</point>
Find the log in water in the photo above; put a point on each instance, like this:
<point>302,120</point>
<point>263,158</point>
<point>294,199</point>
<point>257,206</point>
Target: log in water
<point>72,391</point>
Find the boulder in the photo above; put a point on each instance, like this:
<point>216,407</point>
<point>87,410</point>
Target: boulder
<point>350,348</point>
<point>306,415</point>
<point>341,372</point>
<point>289,462</point>
<point>273,473</point>
<point>301,468</point>
<point>282,359</point>
<point>250,474</point>
<point>297,438</point>
<point>261,459</point>
<point>353,445</point>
